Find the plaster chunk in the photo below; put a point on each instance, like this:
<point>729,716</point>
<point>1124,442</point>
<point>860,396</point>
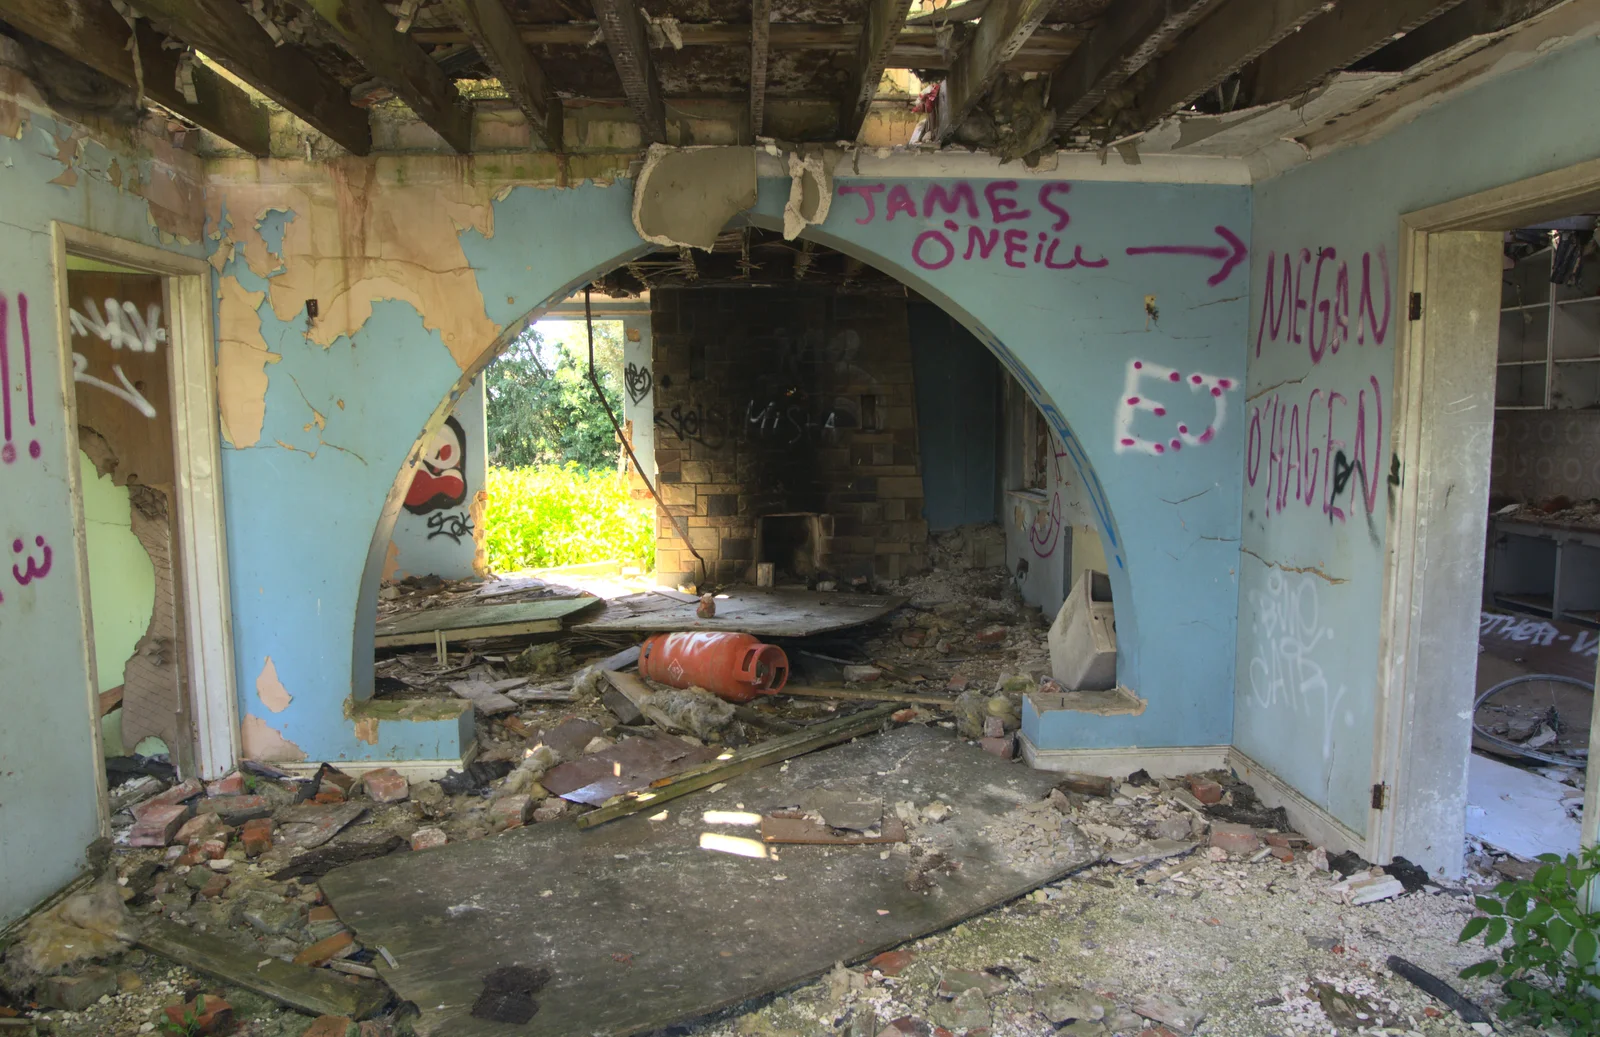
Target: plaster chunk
<point>263,742</point>
<point>242,359</point>
<point>810,190</point>
<point>270,690</point>
<point>685,196</point>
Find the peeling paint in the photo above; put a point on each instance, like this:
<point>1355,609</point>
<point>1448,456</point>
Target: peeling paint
<point>265,743</point>
<point>242,359</point>
<point>367,730</point>
<point>391,563</point>
<point>270,690</point>
<point>1307,570</point>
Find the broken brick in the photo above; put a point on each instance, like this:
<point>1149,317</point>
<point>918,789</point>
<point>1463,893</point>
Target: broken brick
<point>1234,838</point>
<point>956,683</point>
<point>991,635</point>
<point>214,848</point>
<point>323,951</point>
<point>256,836</point>
<point>331,1026</point>
<point>158,825</point>
<point>1283,853</point>
<point>386,785</point>
<point>321,914</point>
<point>199,828</point>
<point>892,963</point>
<point>177,794</point>
<point>328,796</point>
<point>428,838</point>
<point>232,785</point>
<point>1004,747</point>
<point>206,1014</point>
<point>550,809</point>
<point>994,727</point>
<point>510,812</point>
<point>339,778</point>
<point>1276,839</point>
<point>215,887</point>
<point>1205,790</point>
<point>856,674</point>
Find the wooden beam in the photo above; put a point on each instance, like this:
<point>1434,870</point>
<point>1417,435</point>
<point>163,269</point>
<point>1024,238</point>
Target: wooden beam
<point>623,25</point>
<point>488,24</point>
<point>99,39</point>
<point>224,30</point>
<point>1004,28</point>
<point>367,31</point>
<point>885,19</point>
<point>1336,40</point>
<point>1230,37</point>
<point>760,41</point>
<point>1132,33</point>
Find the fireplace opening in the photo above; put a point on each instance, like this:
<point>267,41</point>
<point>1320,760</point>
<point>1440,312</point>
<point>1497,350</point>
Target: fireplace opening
<point>792,543</point>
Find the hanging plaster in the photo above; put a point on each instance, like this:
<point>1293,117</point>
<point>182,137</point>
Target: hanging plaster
<point>810,189</point>
<point>685,196</point>
<point>366,729</point>
<point>242,359</point>
<point>265,743</point>
<point>270,690</point>
<point>369,230</point>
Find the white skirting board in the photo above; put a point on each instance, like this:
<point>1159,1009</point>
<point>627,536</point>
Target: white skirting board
<point>1310,820</point>
<point>1162,762</point>
<point>411,770</point>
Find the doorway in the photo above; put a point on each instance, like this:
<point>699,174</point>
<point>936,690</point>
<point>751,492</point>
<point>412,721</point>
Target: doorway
<point>138,376</point>
<point>1461,373</point>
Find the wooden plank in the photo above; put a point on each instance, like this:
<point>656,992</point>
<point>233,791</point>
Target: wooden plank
<point>1224,41</point>
<point>806,740</point>
<point>885,19</point>
<point>484,698</point>
<point>643,928</point>
<point>964,11</point>
<point>431,637</point>
<point>224,30</point>
<point>488,24</point>
<point>1346,34</point>
<point>760,43</point>
<point>313,991</point>
<point>99,38</point>
<point>367,31</point>
<point>1131,34</point>
<point>460,617</point>
<point>764,613</point>
<point>636,691</point>
<point>1005,27</point>
<point>856,695</point>
<point>623,25</point>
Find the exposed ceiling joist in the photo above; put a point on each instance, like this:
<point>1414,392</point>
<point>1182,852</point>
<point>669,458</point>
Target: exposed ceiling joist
<point>1235,33</point>
<point>1343,36</point>
<point>367,31</point>
<point>99,39</point>
<point>965,11</point>
<point>760,44</point>
<point>885,19</point>
<point>1132,33</point>
<point>488,24</point>
<point>224,30</point>
<point>1005,27</point>
<point>622,22</point>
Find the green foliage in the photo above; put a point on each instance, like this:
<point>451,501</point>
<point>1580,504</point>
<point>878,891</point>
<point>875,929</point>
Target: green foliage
<point>1549,965</point>
<point>563,515</point>
<point>542,409</point>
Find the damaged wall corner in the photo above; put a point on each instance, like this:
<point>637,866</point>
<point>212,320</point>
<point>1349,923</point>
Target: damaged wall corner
<point>810,189</point>
<point>260,741</point>
<point>685,196</point>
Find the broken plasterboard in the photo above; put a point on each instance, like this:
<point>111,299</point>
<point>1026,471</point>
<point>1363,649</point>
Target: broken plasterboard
<point>685,196</point>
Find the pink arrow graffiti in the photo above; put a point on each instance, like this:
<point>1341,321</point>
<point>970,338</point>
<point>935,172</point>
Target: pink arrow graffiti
<point>1231,254</point>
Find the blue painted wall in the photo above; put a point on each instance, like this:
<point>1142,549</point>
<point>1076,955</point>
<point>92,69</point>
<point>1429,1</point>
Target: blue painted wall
<point>52,170</point>
<point>1050,285</point>
<point>1308,640</point>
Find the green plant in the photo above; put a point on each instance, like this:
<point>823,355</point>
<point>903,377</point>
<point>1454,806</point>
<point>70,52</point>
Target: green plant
<point>1549,965</point>
<point>542,408</point>
<point>188,1028</point>
<point>562,515</point>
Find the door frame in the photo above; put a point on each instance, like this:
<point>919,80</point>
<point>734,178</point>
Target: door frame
<point>199,533</point>
<point>1409,755</point>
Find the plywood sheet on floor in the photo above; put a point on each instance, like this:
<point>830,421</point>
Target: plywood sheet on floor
<point>641,927</point>
<point>1518,811</point>
<point>764,613</point>
<point>461,621</point>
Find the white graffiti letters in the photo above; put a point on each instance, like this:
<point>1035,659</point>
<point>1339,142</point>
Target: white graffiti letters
<point>1136,399</point>
<point>122,327</point>
<point>126,391</point>
<point>1284,672</point>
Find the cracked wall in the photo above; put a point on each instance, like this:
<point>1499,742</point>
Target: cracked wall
<point>1326,312</point>
<point>120,182</point>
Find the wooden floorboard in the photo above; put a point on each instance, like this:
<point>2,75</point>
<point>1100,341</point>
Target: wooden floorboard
<point>473,617</point>
<point>764,613</point>
<point>641,927</point>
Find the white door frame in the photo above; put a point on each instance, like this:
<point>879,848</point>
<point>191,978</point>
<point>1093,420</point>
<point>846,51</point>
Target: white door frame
<point>1423,721</point>
<point>199,534</point>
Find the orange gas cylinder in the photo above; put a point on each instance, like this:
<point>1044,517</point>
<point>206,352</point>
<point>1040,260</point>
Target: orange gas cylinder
<point>736,667</point>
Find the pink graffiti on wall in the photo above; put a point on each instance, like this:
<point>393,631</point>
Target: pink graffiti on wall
<point>1307,301</point>
<point>1297,454</point>
<point>8,447</point>
<point>1136,399</point>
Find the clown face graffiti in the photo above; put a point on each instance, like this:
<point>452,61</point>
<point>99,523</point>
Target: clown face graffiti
<point>440,479</point>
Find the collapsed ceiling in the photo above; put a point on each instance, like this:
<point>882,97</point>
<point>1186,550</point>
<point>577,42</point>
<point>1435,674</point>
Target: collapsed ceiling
<point>1014,77</point>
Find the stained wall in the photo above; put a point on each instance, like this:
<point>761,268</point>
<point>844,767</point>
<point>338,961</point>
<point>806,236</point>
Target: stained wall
<point>1319,469</point>
<point>137,189</point>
